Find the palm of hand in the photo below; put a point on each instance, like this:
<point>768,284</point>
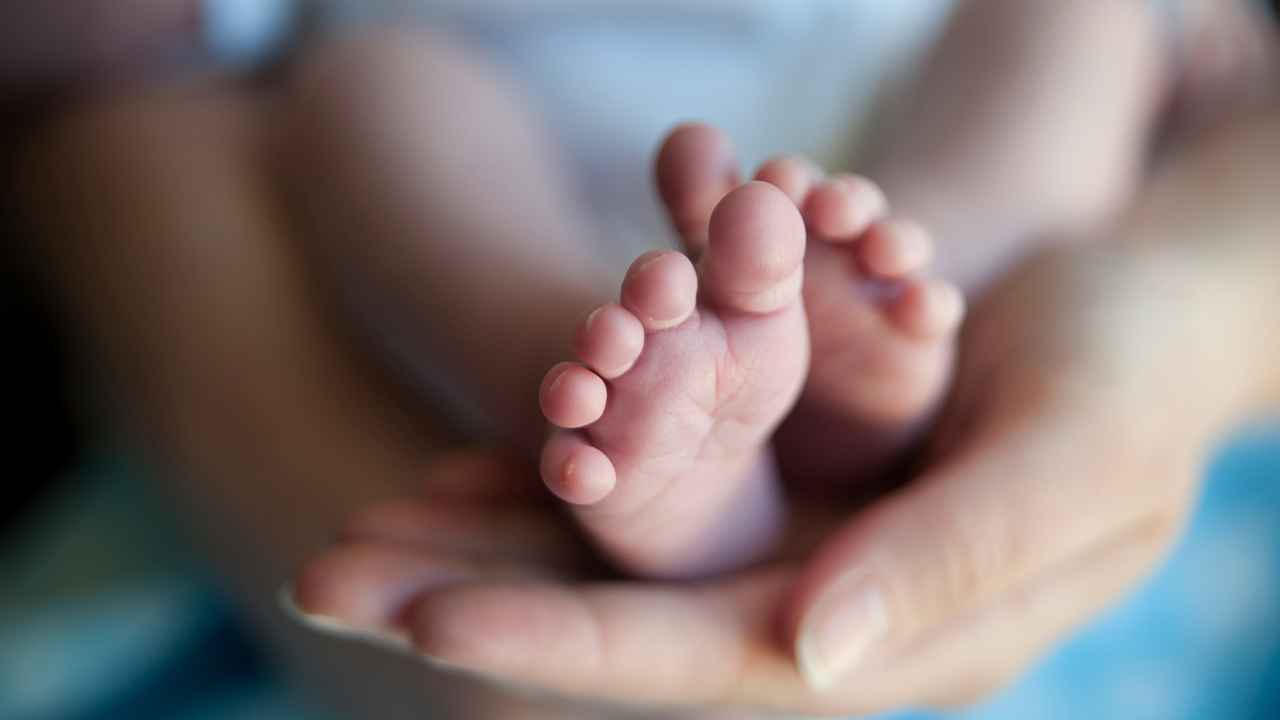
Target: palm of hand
<point>1045,497</point>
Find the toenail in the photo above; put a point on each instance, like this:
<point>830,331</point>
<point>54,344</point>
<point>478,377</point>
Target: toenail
<point>647,263</point>
<point>556,383</point>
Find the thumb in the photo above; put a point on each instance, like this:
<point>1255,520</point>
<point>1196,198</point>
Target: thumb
<point>946,545</point>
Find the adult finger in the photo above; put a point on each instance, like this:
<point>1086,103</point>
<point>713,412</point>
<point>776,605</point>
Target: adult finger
<point>990,520</point>
<point>716,643</point>
<point>975,653</point>
<point>369,585</point>
<point>645,642</point>
<point>480,474</point>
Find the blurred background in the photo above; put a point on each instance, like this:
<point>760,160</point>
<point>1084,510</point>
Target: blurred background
<point>107,612</point>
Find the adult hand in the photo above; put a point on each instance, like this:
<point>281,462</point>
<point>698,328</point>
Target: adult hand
<point>1093,383</point>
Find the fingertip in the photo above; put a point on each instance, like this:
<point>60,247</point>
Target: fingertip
<point>366,584</point>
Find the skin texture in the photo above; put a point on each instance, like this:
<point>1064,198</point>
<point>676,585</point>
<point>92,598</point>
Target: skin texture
<point>684,431</point>
<point>1083,347</point>
<point>695,399</point>
<point>1076,372</point>
<point>398,179</point>
<point>304,431</point>
<point>881,328</point>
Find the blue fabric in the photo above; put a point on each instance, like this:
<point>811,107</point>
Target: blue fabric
<point>1201,640</point>
<point>105,614</point>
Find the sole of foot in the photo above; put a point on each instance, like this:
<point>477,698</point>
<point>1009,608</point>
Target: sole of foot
<point>665,460</point>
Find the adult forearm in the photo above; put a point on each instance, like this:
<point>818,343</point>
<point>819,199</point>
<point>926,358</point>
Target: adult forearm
<point>1211,216</point>
<point>1014,136</point>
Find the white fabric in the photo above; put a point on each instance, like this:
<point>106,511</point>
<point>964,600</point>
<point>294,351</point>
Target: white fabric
<point>612,77</point>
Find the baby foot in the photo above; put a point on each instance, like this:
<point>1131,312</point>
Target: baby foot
<point>688,378</point>
<point>883,334</point>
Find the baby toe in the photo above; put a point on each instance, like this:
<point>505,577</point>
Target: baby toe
<point>575,471</point>
<point>756,250</point>
<point>792,174</point>
<point>660,289</point>
<point>609,339</point>
<point>928,309</point>
<point>843,206</point>
<point>572,396</point>
<point>696,167</point>
<point>894,250</point>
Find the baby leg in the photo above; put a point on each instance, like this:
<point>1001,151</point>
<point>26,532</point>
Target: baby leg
<point>443,214</point>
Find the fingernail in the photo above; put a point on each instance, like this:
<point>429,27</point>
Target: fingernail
<point>399,642</point>
<point>846,622</point>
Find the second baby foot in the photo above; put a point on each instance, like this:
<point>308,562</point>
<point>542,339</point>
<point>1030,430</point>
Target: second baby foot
<point>883,333</point>
<point>668,467</point>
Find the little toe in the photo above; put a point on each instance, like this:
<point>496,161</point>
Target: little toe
<point>572,396</point>
<point>696,167</point>
<point>755,255</point>
<point>608,338</point>
<point>660,289</point>
<point>894,250</point>
<point>928,309</point>
<point>843,206</point>
<point>791,174</point>
<point>575,471</point>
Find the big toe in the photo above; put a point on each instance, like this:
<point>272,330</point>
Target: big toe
<point>756,249</point>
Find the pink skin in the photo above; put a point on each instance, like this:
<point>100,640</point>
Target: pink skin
<point>689,376</point>
<point>882,332</point>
